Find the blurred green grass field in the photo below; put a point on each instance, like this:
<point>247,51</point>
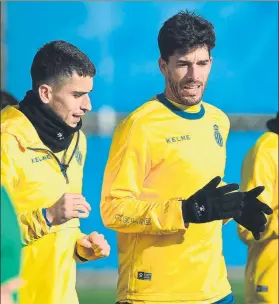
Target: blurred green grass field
<point>107,296</point>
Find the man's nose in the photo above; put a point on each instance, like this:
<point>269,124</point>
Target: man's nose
<point>192,73</point>
<point>86,105</point>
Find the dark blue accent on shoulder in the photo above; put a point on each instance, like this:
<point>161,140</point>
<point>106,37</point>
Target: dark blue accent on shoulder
<point>229,299</point>
<point>179,112</point>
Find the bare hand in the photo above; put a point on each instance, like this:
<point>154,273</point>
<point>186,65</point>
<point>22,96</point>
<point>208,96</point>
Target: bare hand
<point>68,206</point>
<point>7,290</point>
<point>93,246</point>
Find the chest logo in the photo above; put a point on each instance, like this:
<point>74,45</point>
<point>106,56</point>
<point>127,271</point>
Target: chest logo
<point>218,136</point>
<point>177,139</point>
<point>40,158</point>
<point>78,156</point>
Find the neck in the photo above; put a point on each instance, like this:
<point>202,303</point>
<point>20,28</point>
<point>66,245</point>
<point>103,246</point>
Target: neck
<point>52,130</point>
<point>191,109</point>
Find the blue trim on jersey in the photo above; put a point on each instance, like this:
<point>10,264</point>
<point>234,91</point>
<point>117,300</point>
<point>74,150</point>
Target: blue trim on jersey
<point>229,299</point>
<point>179,112</point>
<point>44,214</point>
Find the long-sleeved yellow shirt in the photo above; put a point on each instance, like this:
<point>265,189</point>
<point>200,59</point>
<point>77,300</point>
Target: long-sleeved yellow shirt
<point>33,177</point>
<point>159,154</point>
<point>260,167</point>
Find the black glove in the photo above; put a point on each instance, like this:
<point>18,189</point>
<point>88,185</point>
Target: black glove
<point>253,218</point>
<point>212,203</point>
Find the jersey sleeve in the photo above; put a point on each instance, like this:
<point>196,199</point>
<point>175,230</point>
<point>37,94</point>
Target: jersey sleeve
<point>226,129</point>
<point>259,169</point>
<point>129,163</point>
<point>225,122</point>
<point>32,223</point>
<point>80,234</point>
<point>77,257</point>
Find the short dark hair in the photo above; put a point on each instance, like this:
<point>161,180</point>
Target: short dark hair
<point>58,59</point>
<point>7,100</point>
<point>183,32</point>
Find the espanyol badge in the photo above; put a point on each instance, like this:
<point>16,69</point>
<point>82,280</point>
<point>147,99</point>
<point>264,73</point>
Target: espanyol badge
<point>78,156</point>
<point>218,136</point>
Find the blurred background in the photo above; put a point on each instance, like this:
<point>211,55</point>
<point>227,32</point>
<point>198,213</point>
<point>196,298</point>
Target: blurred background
<point>121,39</point>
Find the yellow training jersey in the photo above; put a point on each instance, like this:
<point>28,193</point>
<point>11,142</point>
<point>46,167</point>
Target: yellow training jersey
<point>260,167</point>
<point>159,154</point>
<point>33,176</point>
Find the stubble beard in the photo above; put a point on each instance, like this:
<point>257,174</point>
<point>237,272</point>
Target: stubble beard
<point>178,96</point>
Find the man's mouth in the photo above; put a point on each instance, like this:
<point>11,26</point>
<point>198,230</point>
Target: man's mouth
<point>191,87</point>
<point>77,116</point>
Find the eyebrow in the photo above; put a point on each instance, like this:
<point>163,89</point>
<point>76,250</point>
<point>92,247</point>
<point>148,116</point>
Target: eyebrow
<point>81,92</point>
<point>189,62</point>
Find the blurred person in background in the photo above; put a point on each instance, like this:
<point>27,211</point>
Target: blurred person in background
<point>10,250</point>
<point>42,157</point>
<point>260,167</point>
<point>161,185</point>
<point>7,100</point>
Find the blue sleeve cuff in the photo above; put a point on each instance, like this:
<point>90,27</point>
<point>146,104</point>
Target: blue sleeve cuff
<point>44,214</point>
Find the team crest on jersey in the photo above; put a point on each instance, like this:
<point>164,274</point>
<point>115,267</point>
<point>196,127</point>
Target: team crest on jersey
<point>218,136</point>
<point>78,156</point>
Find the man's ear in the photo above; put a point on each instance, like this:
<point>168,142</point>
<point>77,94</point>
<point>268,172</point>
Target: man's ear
<point>45,93</point>
<point>162,66</point>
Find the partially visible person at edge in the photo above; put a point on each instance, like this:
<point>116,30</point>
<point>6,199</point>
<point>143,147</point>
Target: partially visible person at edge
<point>7,100</point>
<point>10,250</point>
<point>161,185</point>
<point>260,167</point>
<point>42,158</point>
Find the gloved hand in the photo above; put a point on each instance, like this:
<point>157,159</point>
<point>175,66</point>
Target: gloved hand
<point>212,203</point>
<point>253,213</point>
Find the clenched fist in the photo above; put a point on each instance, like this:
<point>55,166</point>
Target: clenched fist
<point>93,246</point>
<point>68,206</point>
